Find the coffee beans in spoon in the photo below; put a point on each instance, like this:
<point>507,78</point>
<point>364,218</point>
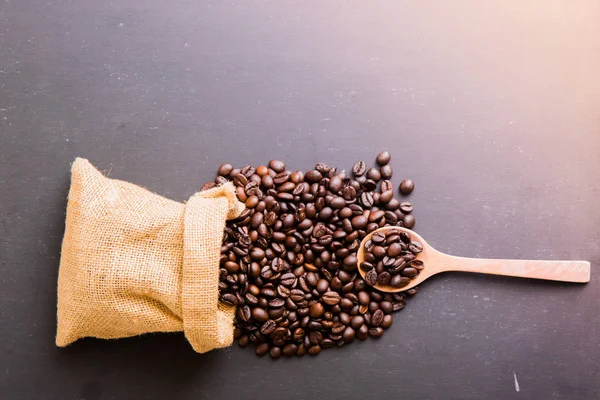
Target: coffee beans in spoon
<point>391,259</point>
<point>289,261</point>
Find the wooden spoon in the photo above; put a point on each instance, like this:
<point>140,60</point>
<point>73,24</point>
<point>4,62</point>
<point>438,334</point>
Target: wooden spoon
<point>436,262</point>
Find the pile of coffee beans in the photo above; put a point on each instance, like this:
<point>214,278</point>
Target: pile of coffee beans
<point>390,258</point>
<point>289,262</point>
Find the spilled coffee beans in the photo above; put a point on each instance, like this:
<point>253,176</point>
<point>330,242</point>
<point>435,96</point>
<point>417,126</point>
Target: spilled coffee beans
<point>289,261</point>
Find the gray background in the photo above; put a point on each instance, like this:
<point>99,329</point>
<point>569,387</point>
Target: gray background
<point>491,107</point>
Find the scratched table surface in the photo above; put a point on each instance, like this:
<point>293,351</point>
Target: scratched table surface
<point>491,107</point>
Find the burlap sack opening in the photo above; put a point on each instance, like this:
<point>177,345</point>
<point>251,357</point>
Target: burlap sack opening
<point>134,262</point>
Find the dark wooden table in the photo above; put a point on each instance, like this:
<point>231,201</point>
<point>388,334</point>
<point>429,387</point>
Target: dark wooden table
<point>491,107</point>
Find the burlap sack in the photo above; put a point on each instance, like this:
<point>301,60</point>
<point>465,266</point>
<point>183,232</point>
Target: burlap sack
<point>134,262</point>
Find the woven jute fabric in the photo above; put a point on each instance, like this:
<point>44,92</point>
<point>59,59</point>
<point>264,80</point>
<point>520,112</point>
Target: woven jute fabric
<point>134,262</point>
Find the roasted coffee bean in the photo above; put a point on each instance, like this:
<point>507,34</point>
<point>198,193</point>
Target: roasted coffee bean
<point>366,266</point>
<point>357,321</point>
<point>314,325</point>
<point>316,310</point>
<point>349,193</point>
<point>229,299</point>
<point>383,158</point>
<point>386,172</point>
<point>338,203</point>
<point>315,337</point>
<point>313,176</point>
<point>386,197</point>
<point>406,186</point>
<point>359,222</point>
<point>281,178</point>
<point>290,350</point>
<point>406,207</point>
<point>240,180</point>
<point>415,247</point>
<point>409,221</point>
<point>366,200</point>
<point>322,285</point>
<point>225,169</point>
<point>288,279</point>
<point>348,335</point>
<point>383,278</point>
<point>331,298</point>
<point>314,350</point>
<point>386,307</point>
<point>377,318</point>
<point>386,185</point>
<point>268,327</point>
<point>369,185</point>
<point>275,352</point>
<point>262,349</point>
<point>374,174</point>
<point>371,277</point>
<point>410,272</point>
<point>277,166</point>
<point>260,314</point>
<point>358,169</point>
<point>250,299</point>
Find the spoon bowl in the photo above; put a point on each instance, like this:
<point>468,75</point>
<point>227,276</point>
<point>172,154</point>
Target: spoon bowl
<point>435,262</point>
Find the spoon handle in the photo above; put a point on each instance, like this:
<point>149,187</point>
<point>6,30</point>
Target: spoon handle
<point>565,271</point>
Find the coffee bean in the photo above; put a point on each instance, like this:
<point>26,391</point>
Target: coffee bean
<point>366,200</point>
<point>386,185</point>
<point>281,178</point>
<point>335,184</point>
<point>386,172</point>
<point>290,349</point>
<point>415,247</point>
<point>359,168</point>
<point>316,310</point>
<point>369,185</point>
<point>275,352</point>
<point>276,303</point>
<point>348,335</point>
<point>229,299</point>
<point>377,318</point>
<point>315,337</point>
<point>376,216</point>
<point>383,278</point>
<point>406,186</point>
<point>386,307</point>
<point>268,327</point>
<point>410,272</point>
<point>313,176</point>
<point>314,325</point>
<point>277,166</point>
<point>240,180</point>
<point>260,314</point>
<point>359,222</point>
<point>406,207</point>
<point>371,277</point>
<point>366,266</point>
<point>314,350</point>
<point>383,158</point>
<point>331,298</point>
<point>357,321</point>
<point>225,169</point>
<point>349,193</point>
<point>409,221</point>
<point>322,285</point>
<point>374,174</point>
